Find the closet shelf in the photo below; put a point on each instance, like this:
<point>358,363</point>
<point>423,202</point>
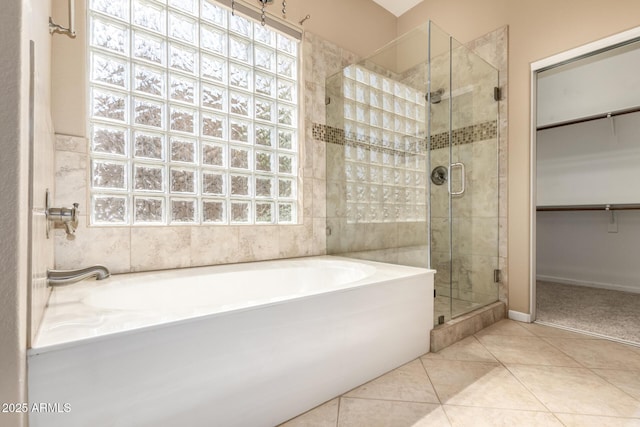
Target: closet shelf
<point>611,207</point>
<point>590,118</point>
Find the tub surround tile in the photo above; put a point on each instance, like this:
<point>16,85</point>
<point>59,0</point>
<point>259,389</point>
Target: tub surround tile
<point>414,256</point>
<point>213,245</point>
<point>71,180</point>
<point>375,235</point>
<point>335,244</point>
<point>258,243</point>
<point>355,236</point>
<point>382,413</point>
<point>295,240</point>
<point>71,143</point>
<point>576,390</point>
<point>462,416</point>
<point>147,243</point>
<point>408,383</point>
<point>319,244</point>
<point>109,246</point>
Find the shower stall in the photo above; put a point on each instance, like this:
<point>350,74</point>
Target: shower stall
<point>412,164</point>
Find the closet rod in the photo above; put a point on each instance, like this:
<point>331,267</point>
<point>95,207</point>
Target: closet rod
<point>628,207</point>
<point>591,118</point>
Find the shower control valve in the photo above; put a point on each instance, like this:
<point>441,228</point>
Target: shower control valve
<point>66,217</point>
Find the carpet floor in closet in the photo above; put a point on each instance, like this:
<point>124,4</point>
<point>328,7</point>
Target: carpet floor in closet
<point>605,312</point>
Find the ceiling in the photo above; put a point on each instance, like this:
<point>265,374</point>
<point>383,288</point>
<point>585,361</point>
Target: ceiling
<point>397,7</point>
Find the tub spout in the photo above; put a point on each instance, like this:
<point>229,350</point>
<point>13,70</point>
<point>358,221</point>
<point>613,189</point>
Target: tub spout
<point>67,277</point>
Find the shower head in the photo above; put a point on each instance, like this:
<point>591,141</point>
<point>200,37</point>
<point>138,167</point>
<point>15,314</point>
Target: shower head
<point>434,97</point>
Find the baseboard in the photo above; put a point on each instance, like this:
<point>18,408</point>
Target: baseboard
<point>519,316</point>
<point>591,284</point>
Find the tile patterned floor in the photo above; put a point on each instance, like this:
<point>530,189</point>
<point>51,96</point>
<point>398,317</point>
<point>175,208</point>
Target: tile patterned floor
<point>509,374</point>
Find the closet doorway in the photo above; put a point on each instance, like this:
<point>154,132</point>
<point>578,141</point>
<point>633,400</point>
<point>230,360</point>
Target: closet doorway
<point>585,186</point>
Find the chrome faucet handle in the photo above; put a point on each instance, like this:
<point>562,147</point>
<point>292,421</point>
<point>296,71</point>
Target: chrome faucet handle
<point>67,217</point>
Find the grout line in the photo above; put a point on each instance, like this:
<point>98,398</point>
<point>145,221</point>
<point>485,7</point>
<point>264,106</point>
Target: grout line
<point>533,411</point>
<point>558,418</point>
<point>614,385</point>
<point>597,415</point>
<point>582,365</point>
<point>513,375</point>
<point>379,399</point>
<point>527,388</point>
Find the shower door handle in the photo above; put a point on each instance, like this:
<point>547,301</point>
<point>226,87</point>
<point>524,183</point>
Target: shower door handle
<point>463,179</point>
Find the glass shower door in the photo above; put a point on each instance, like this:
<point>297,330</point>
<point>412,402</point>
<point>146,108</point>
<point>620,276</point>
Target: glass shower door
<point>464,208</point>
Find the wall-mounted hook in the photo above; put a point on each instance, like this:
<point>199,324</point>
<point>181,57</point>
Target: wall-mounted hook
<point>304,19</point>
<point>612,122</point>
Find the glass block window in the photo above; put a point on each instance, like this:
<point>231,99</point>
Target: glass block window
<point>384,150</point>
<point>193,115</point>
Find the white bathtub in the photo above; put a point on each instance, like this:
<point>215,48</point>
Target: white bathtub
<point>236,345</point>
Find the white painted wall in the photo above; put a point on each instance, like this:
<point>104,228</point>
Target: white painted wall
<point>596,162</point>
<point>594,85</point>
<point>575,248</point>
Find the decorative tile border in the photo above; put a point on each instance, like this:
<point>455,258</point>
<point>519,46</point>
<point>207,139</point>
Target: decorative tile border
<point>326,133</point>
<point>465,135</point>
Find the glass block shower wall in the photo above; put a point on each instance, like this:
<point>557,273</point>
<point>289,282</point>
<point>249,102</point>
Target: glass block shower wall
<point>385,159</point>
<point>193,116</point>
